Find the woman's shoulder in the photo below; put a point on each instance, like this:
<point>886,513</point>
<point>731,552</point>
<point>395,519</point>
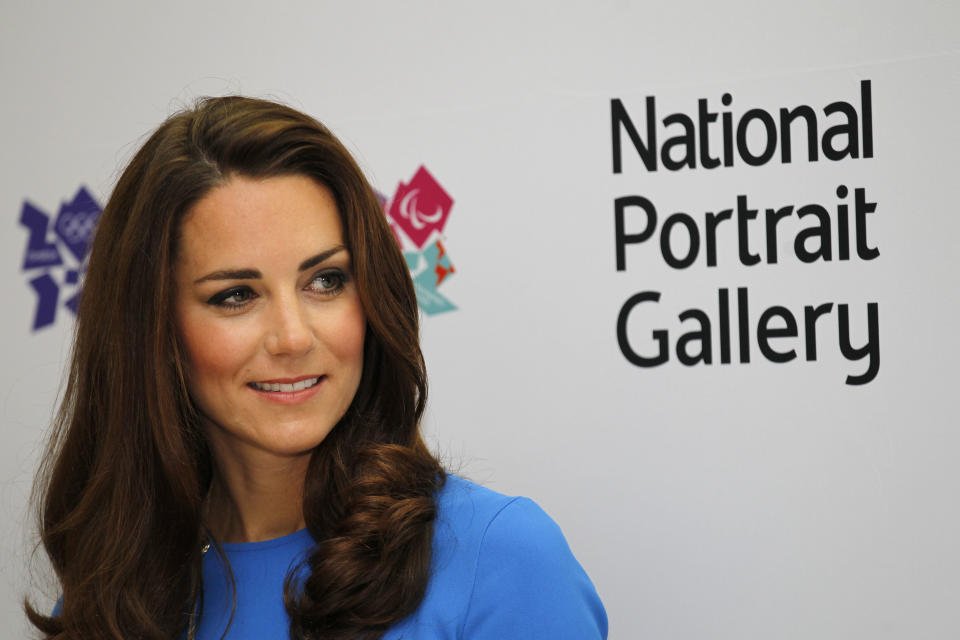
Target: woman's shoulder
<point>476,515</point>
<point>505,566</point>
<point>466,500</point>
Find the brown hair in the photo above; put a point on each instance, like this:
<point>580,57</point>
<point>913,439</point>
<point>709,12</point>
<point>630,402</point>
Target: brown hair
<point>123,484</point>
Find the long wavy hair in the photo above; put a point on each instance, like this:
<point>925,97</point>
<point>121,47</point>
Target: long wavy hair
<point>121,491</point>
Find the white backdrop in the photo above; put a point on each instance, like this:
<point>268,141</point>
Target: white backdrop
<point>728,501</point>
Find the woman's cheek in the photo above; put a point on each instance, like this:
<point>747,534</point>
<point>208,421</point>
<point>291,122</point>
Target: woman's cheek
<point>217,352</point>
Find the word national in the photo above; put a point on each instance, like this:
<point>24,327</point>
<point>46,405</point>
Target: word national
<point>684,140</point>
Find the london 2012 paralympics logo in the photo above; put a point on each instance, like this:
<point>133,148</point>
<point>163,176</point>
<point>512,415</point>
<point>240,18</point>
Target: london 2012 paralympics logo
<point>418,213</point>
<point>56,252</point>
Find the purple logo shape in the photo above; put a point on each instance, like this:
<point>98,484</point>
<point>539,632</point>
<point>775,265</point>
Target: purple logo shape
<point>39,253</point>
<point>44,255</point>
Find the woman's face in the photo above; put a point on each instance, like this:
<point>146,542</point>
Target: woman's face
<point>268,313</point>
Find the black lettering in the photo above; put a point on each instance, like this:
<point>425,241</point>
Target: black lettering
<point>723,308</point>
<point>820,231</point>
<point>848,128</point>
<point>692,250</point>
<point>701,335</point>
<point>618,118</point>
<point>621,237</point>
<point>686,141</point>
<point>765,332</point>
<point>744,216</point>
<point>712,220</point>
<point>770,142</point>
<point>660,336</point>
<point>843,226</point>
<point>861,209</point>
<point>866,111</point>
<point>727,124</point>
<point>773,217</point>
<point>706,118</point>
<point>870,350</point>
<point>810,316</point>
<point>743,318</point>
<point>786,133</point>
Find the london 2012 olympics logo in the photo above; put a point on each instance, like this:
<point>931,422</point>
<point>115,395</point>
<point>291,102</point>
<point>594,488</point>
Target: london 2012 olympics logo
<point>56,251</point>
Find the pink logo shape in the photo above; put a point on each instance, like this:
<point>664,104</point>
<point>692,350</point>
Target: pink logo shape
<point>420,207</point>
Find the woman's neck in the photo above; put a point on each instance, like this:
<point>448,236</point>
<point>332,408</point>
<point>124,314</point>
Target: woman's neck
<point>251,501</point>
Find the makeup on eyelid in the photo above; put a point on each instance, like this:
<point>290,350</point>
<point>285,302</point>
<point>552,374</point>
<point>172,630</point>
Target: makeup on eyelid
<point>220,299</point>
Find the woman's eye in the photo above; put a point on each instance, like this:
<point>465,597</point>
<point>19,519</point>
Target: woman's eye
<point>328,282</point>
<point>232,298</point>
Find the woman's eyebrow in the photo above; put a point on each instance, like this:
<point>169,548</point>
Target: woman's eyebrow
<point>320,257</point>
<point>253,274</point>
<point>230,274</point>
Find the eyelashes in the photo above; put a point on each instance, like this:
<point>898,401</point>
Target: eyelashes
<point>233,298</point>
<point>327,282</point>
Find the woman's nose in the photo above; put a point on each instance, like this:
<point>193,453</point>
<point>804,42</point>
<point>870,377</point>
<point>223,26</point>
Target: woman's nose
<point>290,332</point>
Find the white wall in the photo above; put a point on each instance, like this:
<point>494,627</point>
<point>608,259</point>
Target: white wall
<point>731,501</point>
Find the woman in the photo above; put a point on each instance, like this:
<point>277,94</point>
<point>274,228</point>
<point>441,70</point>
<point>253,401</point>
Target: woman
<point>238,451</point>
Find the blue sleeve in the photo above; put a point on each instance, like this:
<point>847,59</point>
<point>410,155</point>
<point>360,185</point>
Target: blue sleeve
<point>528,584</point>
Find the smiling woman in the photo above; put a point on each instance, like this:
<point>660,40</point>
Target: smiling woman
<point>273,337</point>
<point>238,452</point>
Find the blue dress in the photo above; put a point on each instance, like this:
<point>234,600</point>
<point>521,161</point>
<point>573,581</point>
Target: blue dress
<point>501,569</point>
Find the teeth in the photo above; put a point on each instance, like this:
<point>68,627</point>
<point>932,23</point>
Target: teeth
<point>285,388</point>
